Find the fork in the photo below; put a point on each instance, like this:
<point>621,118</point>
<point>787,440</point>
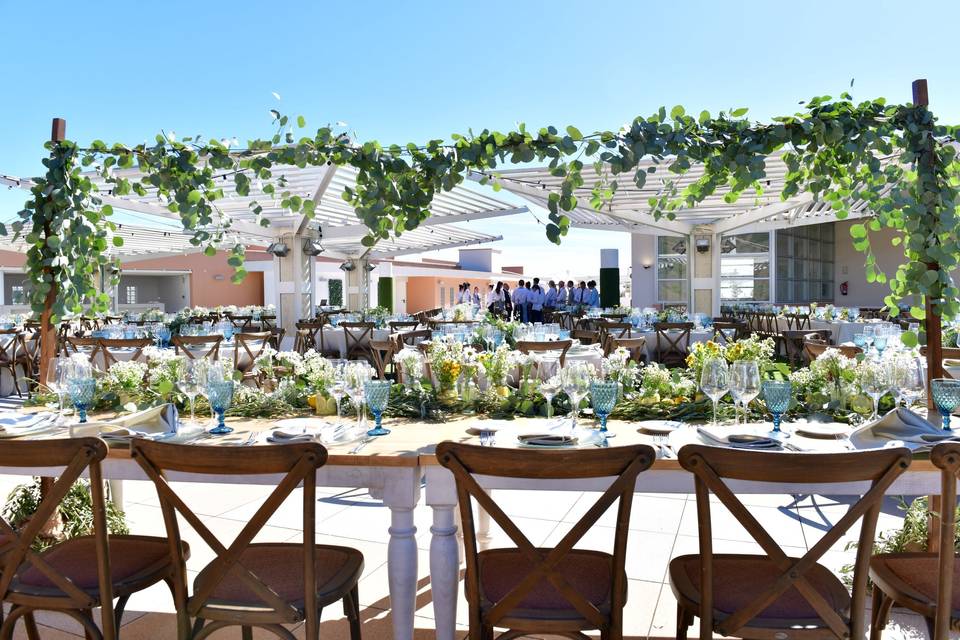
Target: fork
<point>663,443</point>
<point>362,444</point>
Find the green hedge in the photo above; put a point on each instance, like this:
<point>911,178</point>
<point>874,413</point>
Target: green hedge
<point>385,293</point>
<point>336,293</point>
<point>610,287</point>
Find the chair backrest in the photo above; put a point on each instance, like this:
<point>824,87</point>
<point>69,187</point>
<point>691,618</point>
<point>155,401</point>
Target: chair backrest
<point>247,348</point>
<point>673,340</point>
<point>413,338</point>
<point>946,456</point>
<point>111,347</point>
<point>714,466</point>
<point>798,321</point>
<point>585,336</point>
<point>74,456</point>
<point>528,346</point>
<point>382,354</point>
<point>357,336</point>
<point>297,462</point>
<point>622,463</point>
<point>198,346</point>
<point>276,335</point>
<point>242,323</point>
<point>728,332</point>
<point>815,348</point>
<point>404,325</point>
<point>87,346</point>
<point>794,342</point>
<point>311,336</point>
<point>11,345</point>
<point>636,346</point>
<point>615,329</point>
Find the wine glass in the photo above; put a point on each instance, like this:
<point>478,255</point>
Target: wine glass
<point>603,397</point>
<point>745,383</point>
<point>714,381</point>
<point>910,382</point>
<point>859,340</point>
<point>549,389</point>
<point>880,340</point>
<point>337,390</point>
<point>946,395</point>
<point>220,394</point>
<point>776,394</point>
<point>576,384</point>
<point>58,374</point>
<point>189,383</point>
<point>377,394</point>
<point>869,331</point>
<point>82,387</point>
<point>874,381</point>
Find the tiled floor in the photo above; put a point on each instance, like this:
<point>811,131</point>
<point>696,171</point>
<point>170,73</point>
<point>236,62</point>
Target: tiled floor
<point>662,527</point>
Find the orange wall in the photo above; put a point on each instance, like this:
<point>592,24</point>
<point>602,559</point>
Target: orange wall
<point>205,291</point>
<point>423,292</point>
<point>12,259</point>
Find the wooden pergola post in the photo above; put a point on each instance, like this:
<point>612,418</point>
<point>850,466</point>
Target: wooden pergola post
<point>48,333</point>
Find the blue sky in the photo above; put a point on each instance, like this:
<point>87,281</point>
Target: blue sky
<point>410,71</point>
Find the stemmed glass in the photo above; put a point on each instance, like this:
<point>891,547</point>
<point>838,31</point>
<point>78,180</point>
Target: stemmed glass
<point>880,340</point>
<point>337,390</point>
<point>549,389</point>
<point>745,383</point>
<point>859,340</point>
<point>220,393</point>
<point>189,383</point>
<point>576,384</point>
<point>377,393</point>
<point>603,397</point>
<point>868,333</point>
<point>875,381</point>
<point>776,394</point>
<point>58,374</point>
<point>714,382</point>
<point>82,387</point>
<point>355,375</point>
<point>946,395</point>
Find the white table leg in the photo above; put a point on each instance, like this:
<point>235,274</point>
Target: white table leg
<point>116,493</point>
<point>401,492</point>
<point>444,550</point>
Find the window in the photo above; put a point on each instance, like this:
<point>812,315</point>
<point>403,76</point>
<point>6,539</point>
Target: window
<point>805,264</point>
<point>672,284</point>
<point>443,297</point>
<point>17,294</point>
<point>745,267</point>
<point>131,294</point>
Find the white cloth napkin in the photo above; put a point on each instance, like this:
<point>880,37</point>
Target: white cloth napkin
<point>711,436</point>
<point>902,425</point>
<point>149,422</point>
<point>15,420</point>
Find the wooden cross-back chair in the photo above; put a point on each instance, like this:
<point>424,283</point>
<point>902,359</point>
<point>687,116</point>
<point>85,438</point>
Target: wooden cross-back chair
<point>13,355</point>
<point>413,338</point>
<point>110,346</point>
<point>772,595</point>
<point>585,336</point>
<point>276,336</point>
<point>612,330</point>
<point>382,352</point>
<point>241,323</point>
<point>637,347</point>
<point>794,343</point>
<point>309,336</point>
<point>673,342</point>
<point>813,349</point>
<point>726,332</point>
<point>251,584</point>
<point>357,336</point>
<point>924,581</point>
<point>564,319</point>
<point>798,321</point>
<point>90,347</point>
<point>267,322</point>
<point>550,591</point>
<point>198,346</point>
<point>561,346</point>
<point>247,348</point>
<point>31,345</point>
<point>403,325</point>
<point>80,574</point>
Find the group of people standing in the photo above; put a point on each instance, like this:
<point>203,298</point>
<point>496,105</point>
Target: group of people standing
<point>528,301</point>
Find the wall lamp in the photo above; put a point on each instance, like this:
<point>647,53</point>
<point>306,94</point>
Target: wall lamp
<point>279,249</point>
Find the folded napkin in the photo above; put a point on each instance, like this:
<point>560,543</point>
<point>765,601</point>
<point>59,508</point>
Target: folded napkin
<point>548,439</point>
<point>149,422</point>
<point>902,425</point>
<point>738,440</point>
<point>16,420</point>
<point>326,433</point>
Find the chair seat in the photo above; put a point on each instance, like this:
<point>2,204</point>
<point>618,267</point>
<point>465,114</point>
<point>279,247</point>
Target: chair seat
<point>913,577</point>
<point>590,573</point>
<point>280,566</point>
<point>135,562</point>
<point>739,579</point>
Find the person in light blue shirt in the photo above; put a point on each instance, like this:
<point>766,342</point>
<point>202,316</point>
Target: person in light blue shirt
<point>592,296</point>
<point>520,301</point>
<point>550,298</point>
<point>561,295</point>
<point>579,295</point>
<point>536,299</point>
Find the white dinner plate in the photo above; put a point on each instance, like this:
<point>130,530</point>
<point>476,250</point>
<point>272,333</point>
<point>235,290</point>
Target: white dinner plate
<point>659,427</point>
<point>823,430</point>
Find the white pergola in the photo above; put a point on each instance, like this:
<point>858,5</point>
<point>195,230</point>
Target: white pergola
<point>335,227</point>
<point>629,209</point>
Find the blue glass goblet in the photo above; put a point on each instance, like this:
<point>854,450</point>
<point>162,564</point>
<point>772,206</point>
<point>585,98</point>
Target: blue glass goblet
<point>377,394</point>
<point>603,397</point>
<point>776,394</point>
<point>859,340</point>
<point>220,395</point>
<point>81,392</point>
<point>946,395</point>
<point>880,343</point>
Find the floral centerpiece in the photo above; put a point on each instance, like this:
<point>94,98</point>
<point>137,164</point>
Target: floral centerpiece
<point>527,363</point>
<point>619,367</point>
<point>446,362</point>
<point>410,361</point>
<point>123,382</point>
<point>496,366</point>
<point>832,373</point>
<point>659,384</point>
<point>377,315</point>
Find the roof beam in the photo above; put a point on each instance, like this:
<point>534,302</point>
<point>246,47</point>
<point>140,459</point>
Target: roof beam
<point>450,245</point>
<point>759,214</point>
<point>354,231</point>
<point>325,180</point>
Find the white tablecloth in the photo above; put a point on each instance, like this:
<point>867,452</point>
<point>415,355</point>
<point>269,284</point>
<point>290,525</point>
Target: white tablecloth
<point>334,339</point>
<point>702,335</point>
<point>842,330</point>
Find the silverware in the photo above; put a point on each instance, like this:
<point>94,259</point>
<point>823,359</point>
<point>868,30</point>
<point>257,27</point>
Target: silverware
<point>251,439</point>
<point>362,444</point>
<point>663,443</point>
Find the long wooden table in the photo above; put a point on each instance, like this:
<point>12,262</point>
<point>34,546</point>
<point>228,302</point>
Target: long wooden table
<point>392,467</point>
